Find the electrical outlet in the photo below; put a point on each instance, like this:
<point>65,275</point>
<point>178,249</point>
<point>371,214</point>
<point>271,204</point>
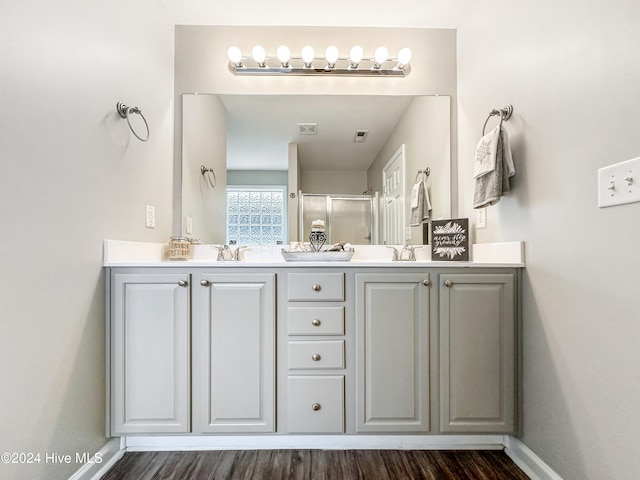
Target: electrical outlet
<point>189,225</point>
<point>481,217</point>
<point>150,216</point>
<point>619,183</point>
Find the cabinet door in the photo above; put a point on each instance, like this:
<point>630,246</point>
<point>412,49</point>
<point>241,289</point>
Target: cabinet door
<point>234,353</point>
<point>149,353</point>
<point>477,353</point>
<point>392,342</point>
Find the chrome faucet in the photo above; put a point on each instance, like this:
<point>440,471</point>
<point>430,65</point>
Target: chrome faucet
<point>225,254</point>
<point>407,254</point>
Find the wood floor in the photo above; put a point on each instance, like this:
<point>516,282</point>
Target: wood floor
<point>316,465</point>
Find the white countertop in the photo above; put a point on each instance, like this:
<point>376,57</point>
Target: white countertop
<point>118,253</point>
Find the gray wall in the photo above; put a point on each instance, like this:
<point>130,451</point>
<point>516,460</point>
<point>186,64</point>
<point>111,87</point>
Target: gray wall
<point>571,72</point>
<point>71,175</point>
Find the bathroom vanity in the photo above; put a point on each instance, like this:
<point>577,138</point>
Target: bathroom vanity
<point>275,347</point>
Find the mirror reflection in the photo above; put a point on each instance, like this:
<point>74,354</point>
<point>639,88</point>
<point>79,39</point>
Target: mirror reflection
<point>336,150</point>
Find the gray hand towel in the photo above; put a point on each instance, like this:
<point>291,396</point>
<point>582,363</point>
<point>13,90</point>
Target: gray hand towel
<point>420,212</point>
<point>493,185</point>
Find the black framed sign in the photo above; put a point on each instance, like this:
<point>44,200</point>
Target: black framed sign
<point>450,240</point>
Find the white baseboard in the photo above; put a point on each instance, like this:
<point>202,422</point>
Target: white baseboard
<point>325,442</point>
<point>529,462</point>
<point>101,462</point>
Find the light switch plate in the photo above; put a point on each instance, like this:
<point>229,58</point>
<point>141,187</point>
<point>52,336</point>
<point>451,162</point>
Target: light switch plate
<point>481,218</point>
<point>189,225</point>
<point>150,216</point>
<point>619,183</point>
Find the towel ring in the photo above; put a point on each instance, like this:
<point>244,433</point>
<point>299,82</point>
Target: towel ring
<point>426,172</point>
<point>124,112</point>
<point>204,170</point>
<point>505,114</point>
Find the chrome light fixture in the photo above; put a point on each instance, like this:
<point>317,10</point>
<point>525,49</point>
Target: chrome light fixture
<point>283,63</point>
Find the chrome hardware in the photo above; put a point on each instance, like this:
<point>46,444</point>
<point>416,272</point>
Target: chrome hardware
<point>315,357</point>
<point>183,283</point>
<point>204,283</point>
<point>316,322</point>
<point>448,283</point>
<point>236,253</point>
<point>315,407</point>
<point>407,254</point>
<point>316,287</point>
<point>426,282</point>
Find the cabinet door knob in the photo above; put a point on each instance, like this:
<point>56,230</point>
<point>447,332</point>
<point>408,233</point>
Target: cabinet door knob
<point>315,407</point>
<point>204,283</point>
<point>315,357</point>
<point>448,283</point>
<point>426,282</point>
<point>316,322</point>
<point>316,287</point>
<point>183,283</point>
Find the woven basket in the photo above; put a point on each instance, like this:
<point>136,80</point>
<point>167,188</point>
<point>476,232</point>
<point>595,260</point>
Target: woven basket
<point>178,248</point>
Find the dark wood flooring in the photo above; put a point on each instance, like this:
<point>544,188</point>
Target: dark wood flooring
<point>317,465</point>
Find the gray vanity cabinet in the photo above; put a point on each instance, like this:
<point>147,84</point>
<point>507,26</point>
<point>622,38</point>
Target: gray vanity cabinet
<point>233,353</point>
<point>392,352</point>
<point>148,348</point>
<point>313,365</point>
<point>478,348</point>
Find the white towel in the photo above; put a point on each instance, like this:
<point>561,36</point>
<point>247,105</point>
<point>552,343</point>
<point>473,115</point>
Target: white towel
<point>485,160</point>
<point>494,184</point>
<point>420,204</point>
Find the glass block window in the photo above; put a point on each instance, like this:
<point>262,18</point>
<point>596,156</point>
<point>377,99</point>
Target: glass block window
<point>256,215</point>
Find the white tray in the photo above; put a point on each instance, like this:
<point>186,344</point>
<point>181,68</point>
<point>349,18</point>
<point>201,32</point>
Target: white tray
<point>317,256</point>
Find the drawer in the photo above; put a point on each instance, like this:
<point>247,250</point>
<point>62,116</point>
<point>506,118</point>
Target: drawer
<point>315,404</point>
<point>316,355</point>
<point>309,287</point>
<point>315,321</point>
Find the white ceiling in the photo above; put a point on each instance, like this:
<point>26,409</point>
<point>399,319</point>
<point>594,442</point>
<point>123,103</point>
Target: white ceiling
<point>261,127</point>
<point>337,13</point>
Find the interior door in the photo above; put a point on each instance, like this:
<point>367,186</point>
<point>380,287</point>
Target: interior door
<point>393,218</point>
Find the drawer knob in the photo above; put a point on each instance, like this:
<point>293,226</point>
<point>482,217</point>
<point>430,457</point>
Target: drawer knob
<point>426,282</point>
<point>315,407</point>
<point>183,283</point>
<point>316,287</point>
<point>448,283</point>
<point>316,322</point>
<point>316,357</point>
<point>204,283</point>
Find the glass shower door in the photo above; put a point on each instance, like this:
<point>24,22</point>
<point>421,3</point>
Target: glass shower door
<point>348,218</point>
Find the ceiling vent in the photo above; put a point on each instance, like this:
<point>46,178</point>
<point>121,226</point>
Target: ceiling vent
<point>360,136</point>
<point>307,128</point>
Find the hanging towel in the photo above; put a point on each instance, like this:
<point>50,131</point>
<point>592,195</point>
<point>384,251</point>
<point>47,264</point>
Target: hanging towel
<point>485,159</point>
<point>489,187</point>
<point>420,204</point>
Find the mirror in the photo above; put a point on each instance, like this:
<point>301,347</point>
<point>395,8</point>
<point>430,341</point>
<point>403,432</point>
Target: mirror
<point>317,144</point>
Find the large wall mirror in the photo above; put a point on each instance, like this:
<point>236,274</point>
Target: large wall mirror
<point>261,151</point>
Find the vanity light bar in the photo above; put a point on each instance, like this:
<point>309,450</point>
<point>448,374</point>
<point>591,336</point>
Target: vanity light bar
<point>331,64</point>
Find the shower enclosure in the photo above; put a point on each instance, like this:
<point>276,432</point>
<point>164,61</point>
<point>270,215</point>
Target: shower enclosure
<point>348,218</point>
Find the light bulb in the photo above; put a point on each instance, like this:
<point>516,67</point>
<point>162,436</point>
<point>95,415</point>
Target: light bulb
<point>381,55</point>
<point>235,55</point>
<point>284,55</point>
<point>331,54</point>
<point>404,56</point>
<point>259,55</point>
<point>356,55</point>
<point>307,55</point>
